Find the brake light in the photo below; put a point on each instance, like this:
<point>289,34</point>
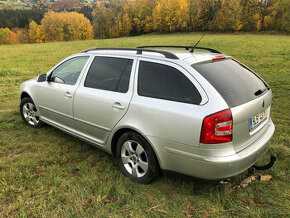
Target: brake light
<point>218,58</point>
<point>217,128</point>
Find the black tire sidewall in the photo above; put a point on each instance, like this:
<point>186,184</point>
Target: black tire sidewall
<point>153,166</point>
<point>24,101</point>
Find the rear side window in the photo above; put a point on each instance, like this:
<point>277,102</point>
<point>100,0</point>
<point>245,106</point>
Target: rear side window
<point>165,82</point>
<point>109,73</point>
<point>236,84</point>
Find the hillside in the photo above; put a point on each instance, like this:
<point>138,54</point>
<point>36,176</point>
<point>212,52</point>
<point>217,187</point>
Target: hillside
<point>45,172</point>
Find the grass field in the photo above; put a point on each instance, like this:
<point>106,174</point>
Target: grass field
<point>44,172</point>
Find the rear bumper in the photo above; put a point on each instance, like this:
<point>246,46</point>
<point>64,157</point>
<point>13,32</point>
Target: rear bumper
<point>213,168</point>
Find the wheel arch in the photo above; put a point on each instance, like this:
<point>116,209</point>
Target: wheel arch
<point>117,134</point>
<point>24,94</point>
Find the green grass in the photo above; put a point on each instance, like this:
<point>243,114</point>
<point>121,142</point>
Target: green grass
<point>45,172</point>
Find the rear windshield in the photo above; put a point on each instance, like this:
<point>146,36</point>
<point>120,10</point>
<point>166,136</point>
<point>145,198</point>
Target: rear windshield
<point>236,84</point>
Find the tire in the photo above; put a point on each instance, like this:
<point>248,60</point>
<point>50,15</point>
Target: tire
<point>29,113</point>
<point>136,158</point>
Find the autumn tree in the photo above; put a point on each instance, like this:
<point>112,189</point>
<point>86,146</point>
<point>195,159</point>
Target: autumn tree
<point>66,26</point>
<point>202,14</point>
<point>265,9</point>
<point>35,33</point>
<point>76,27</point>
<point>103,20</point>
<point>140,15</point>
<point>5,36</point>
<point>249,14</point>
<point>22,36</point>
<point>171,15</point>
<point>282,15</point>
<point>227,17</point>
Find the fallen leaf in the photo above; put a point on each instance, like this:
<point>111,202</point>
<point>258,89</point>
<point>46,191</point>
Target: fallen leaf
<point>87,203</point>
<point>265,178</point>
<point>242,200</point>
<point>247,181</point>
<point>204,214</point>
<point>256,203</point>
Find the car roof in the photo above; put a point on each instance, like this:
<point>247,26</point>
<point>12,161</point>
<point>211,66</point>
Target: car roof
<point>181,54</point>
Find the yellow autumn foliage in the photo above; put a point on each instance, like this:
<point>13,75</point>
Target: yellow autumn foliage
<point>171,15</point>
<point>61,27</point>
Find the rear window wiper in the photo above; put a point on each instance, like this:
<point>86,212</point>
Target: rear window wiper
<point>260,91</point>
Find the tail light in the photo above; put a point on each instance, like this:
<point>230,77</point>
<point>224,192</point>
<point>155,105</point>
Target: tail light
<point>217,128</point>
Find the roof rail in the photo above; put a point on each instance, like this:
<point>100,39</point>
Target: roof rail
<point>177,46</point>
<point>138,50</point>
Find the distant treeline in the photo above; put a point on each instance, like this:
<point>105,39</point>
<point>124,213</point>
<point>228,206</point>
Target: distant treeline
<point>116,18</point>
<point>123,18</point>
<point>20,18</point>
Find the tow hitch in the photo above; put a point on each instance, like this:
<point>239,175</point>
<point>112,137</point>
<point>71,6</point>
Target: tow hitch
<point>273,158</point>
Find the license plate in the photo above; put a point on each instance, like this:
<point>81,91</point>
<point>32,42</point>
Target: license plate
<point>255,120</point>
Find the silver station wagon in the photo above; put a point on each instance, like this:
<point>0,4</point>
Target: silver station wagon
<point>200,113</point>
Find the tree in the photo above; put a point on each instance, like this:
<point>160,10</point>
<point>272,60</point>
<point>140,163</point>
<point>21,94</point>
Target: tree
<point>66,26</point>
<point>227,17</point>
<point>282,15</point>
<point>35,33</point>
<point>5,36</point>
<point>22,36</point>
<point>249,14</point>
<point>103,19</point>
<point>76,27</point>
<point>20,18</point>
<point>265,9</point>
<point>140,14</point>
<point>171,15</point>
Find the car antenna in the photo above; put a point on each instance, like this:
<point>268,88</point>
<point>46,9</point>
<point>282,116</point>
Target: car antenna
<point>197,42</point>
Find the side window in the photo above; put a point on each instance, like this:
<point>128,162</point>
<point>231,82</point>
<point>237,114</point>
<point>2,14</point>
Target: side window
<point>69,71</point>
<point>165,82</point>
<point>109,73</point>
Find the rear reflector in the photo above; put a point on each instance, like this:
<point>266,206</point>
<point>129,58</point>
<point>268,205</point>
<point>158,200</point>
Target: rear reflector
<point>218,58</point>
<point>217,128</point>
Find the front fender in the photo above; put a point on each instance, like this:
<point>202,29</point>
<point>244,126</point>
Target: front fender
<point>28,88</point>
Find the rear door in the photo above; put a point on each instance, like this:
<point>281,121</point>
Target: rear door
<point>247,95</point>
<point>103,97</point>
<point>167,103</point>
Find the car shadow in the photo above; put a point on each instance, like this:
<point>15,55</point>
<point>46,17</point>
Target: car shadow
<point>170,177</point>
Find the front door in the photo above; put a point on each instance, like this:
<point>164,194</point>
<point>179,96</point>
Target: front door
<point>103,97</point>
<point>55,96</point>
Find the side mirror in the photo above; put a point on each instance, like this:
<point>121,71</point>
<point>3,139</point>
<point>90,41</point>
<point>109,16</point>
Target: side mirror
<point>42,78</point>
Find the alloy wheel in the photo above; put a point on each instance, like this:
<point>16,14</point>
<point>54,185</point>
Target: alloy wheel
<point>134,158</point>
<point>30,114</point>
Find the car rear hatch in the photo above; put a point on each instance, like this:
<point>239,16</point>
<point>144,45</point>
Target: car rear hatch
<point>247,95</point>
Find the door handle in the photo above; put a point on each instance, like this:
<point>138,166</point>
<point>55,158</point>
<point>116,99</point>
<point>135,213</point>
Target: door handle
<point>68,95</point>
<point>117,105</point>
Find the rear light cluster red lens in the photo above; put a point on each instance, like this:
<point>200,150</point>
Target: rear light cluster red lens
<point>217,128</point>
